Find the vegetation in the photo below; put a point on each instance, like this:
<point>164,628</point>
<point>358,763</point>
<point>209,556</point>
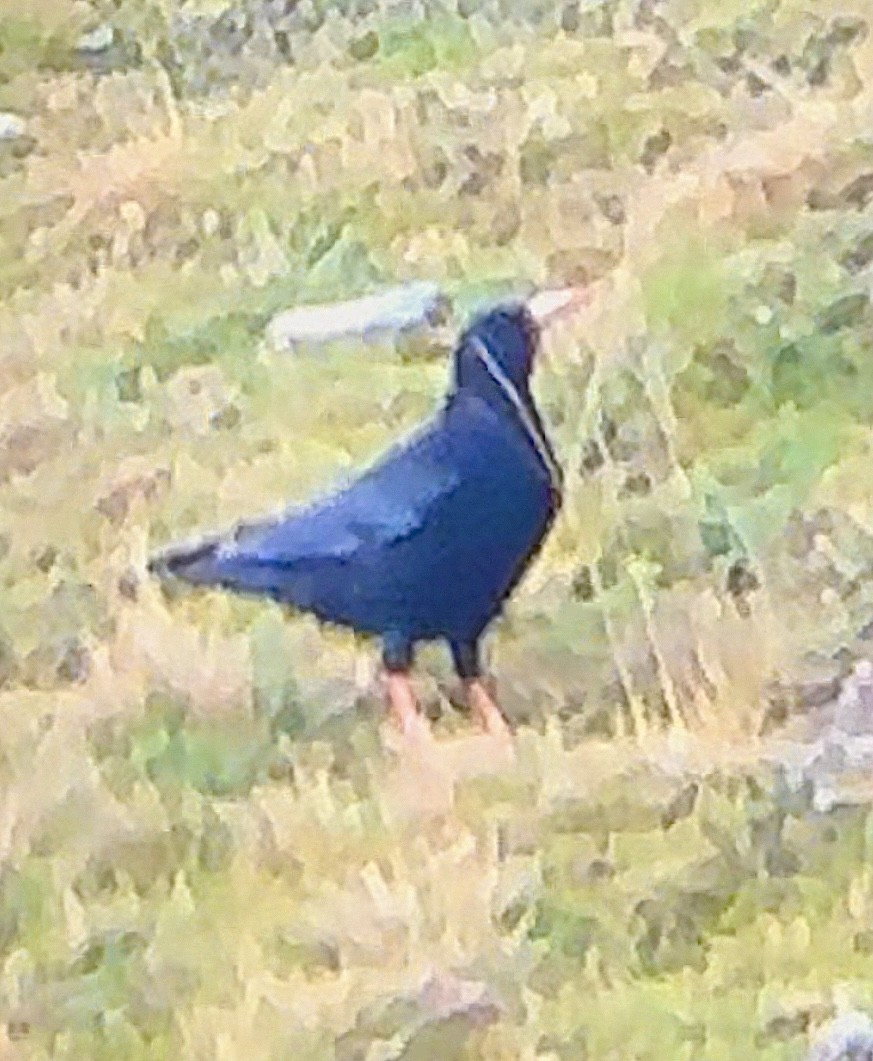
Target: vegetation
<point>204,850</point>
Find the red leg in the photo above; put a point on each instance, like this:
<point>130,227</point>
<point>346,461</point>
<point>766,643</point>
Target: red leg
<point>485,711</point>
<point>402,705</point>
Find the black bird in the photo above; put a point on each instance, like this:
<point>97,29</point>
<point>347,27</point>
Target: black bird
<point>431,540</point>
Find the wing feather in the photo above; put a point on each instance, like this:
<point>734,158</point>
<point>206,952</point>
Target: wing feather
<point>390,502</point>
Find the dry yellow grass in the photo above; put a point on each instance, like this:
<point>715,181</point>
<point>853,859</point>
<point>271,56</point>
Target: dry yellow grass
<point>205,851</point>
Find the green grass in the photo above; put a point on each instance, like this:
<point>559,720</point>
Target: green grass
<point>204,849</point>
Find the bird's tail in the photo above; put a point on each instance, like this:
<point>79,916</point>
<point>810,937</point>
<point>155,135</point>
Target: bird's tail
<point>208,563</point>
<point>190,563</point>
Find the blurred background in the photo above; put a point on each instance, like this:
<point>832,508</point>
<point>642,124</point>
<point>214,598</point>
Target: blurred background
<point>204,851</point>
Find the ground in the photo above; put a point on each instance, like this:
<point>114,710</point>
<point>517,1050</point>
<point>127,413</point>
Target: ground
<point>206,852</point>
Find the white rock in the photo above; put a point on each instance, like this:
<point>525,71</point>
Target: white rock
<point>392,310</point>
<point>12,127</point>
<point>848,1038</point>
<point>96,40</point>
<point>824,799</point>
<point>210,221</point>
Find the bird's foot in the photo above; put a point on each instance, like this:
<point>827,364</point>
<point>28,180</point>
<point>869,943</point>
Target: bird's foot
<point>486,713</point>
<point>405,719</point>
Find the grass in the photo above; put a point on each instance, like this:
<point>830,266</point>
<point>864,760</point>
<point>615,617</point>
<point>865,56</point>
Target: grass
<point>205,851</point>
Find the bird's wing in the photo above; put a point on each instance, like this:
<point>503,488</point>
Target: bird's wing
<point>390,502</point>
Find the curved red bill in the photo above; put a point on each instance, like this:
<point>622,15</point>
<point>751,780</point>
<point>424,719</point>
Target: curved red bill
<point>548,306</point>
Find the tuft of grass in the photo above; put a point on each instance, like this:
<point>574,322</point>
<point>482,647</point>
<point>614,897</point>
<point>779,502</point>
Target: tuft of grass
<point>204,849</point>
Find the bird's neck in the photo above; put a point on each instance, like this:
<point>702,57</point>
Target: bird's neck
<point>521,415</point>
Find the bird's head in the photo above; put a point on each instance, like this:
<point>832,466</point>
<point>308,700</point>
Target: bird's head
<point>495,357</point>
<point>510,335</point>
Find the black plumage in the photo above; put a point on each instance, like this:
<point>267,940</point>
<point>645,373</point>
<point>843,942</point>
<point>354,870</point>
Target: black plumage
<point>430,541</point>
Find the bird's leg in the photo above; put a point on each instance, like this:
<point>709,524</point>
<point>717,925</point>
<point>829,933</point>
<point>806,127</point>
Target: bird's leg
<point>482,705</point>
<point>402,705</point>
<point>485,710</point>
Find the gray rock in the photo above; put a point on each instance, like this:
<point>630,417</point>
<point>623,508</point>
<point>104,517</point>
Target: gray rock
<point>848,1038</point>
<point>854,711</point>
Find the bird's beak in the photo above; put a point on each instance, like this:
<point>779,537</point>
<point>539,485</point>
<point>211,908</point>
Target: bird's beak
<point>549,306</point>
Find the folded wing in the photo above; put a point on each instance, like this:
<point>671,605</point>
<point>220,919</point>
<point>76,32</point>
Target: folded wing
<point>388,504</point>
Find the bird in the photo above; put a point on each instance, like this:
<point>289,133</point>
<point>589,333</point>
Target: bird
<point>430,541</point>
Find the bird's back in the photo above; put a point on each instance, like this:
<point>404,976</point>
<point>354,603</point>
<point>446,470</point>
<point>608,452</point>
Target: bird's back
<point>427,543</point>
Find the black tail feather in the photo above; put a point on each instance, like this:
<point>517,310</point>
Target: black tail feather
<point>191,563</point>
